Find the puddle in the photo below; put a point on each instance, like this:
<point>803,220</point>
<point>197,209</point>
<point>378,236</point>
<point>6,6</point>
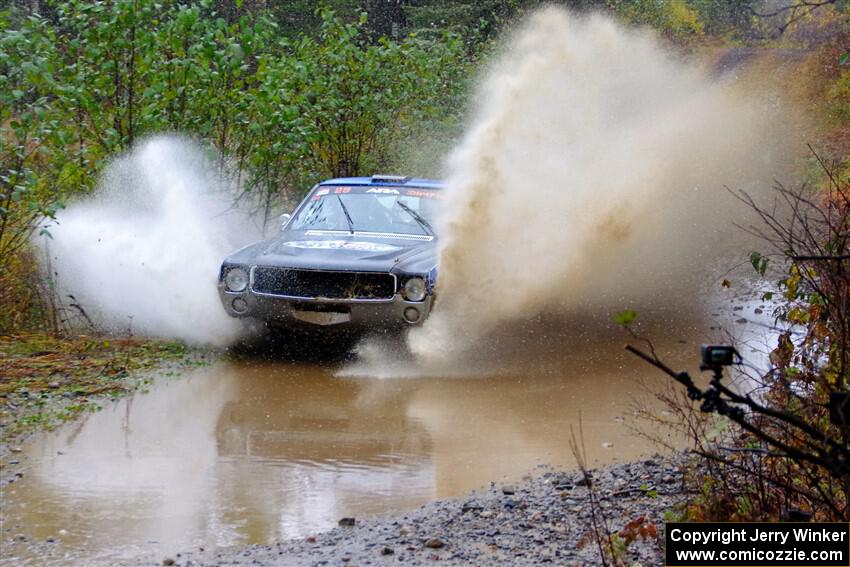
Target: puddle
<point>256,451</point>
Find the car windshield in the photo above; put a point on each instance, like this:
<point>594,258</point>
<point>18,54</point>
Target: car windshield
<point>399,210</point>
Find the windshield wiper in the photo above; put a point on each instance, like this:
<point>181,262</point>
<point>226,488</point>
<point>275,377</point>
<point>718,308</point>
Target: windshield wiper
<point>347,216</point>
<point>426,226</point>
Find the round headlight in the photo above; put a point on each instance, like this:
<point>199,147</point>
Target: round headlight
<point>414,289</point>
<point>236,279</point>
<point>240,305</point>
<point>412,315</point>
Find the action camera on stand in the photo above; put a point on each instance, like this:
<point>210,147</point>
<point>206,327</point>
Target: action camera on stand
<point>714,356</point>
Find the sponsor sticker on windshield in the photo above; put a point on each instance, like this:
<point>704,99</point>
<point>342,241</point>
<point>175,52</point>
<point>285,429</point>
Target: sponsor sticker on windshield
<point>372,190</point>
<point>423,193</point>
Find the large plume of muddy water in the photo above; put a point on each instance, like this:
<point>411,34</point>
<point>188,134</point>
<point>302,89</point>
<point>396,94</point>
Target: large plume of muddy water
<point>143,252</point>
<point>593,179</point>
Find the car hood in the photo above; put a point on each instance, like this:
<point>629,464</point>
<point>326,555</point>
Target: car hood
<point>341,251</point>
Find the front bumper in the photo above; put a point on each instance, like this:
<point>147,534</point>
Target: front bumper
<point>285,311</point>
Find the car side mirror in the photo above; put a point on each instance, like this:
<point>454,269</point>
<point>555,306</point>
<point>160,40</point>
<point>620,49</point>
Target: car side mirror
<point>284,218</point>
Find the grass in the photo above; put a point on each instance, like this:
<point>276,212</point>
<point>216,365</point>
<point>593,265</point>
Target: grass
<point>46,380</point>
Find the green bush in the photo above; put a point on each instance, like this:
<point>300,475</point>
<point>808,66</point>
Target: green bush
<point>87,82</point>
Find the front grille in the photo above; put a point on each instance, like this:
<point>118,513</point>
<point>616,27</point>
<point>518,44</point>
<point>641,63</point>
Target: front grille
<point>312,284</point>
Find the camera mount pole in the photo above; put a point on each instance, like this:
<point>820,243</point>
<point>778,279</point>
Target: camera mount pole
<point>711,397</point>
<point>836,457</point>
<point>682,378</point>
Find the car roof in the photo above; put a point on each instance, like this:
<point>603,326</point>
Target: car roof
<point>386,180</point>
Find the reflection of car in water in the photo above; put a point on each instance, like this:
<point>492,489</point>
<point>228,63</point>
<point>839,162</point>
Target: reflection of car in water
<point>358,250</point>
<point>328,421</point>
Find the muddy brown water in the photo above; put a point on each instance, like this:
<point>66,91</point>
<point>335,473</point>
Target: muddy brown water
<point>257,450</point>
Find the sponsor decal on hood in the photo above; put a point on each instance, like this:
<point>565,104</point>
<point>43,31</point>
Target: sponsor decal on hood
<point>342,245</point>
